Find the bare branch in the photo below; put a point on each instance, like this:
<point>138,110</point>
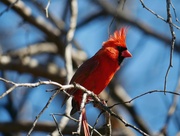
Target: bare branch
<point>177,20</point>
<point>40,126</point>
<point>68,56</point>
<point>32,85</point>
<point>57,126</point>
<point>66,115</point>
<point>171,110</point>
<point>84,98</point>
<point>158,16</point>
<point>47,7</point>
<point>64,87</point>
<point>93,128</point>
<point>42,111</point>
<point>8,8</point>
<point>71,118</point>
<point>34,49</point>
<point>149,92</point>
<point>32,66</point>
<point>42,48</point>
<point>26,125</point>
<point>154,13</point>
<point>169,20</point>
<point>108,129</point>
<point>40,23</point>
<point>69,37</point>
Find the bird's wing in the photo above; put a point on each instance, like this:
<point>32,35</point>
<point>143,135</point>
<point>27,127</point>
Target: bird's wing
<point>82,73</point>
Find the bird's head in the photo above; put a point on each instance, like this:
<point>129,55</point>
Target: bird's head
<point>118,41</point>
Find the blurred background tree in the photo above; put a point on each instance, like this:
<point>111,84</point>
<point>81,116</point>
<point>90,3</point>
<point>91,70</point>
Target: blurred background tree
<point>33,47</point>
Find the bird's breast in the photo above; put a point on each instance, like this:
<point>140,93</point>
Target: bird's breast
<point>103,74</point>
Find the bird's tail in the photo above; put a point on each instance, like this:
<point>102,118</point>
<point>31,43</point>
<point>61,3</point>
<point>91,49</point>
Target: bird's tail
<point>84,123</point>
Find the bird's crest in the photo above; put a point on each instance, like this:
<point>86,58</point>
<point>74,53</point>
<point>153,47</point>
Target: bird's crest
<point>118,38</point>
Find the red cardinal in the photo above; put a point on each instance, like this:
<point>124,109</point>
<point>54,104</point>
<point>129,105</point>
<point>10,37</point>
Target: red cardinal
<point>96,73</point>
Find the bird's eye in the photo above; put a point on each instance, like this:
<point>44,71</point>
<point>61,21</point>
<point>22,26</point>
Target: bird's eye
<point>121,49</point>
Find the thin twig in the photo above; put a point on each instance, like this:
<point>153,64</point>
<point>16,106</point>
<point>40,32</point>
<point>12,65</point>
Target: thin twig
<point>63,122</point>
<point>66,115</point>
<point>169,20</point>
<point>171,110</point>
<point>42,111</point>
<point>127,124</point>
<point>177,20</point>
<point>71,118</point>
<point>57,126</point>
<point>69,37</point>
<point>124,2</point>
<point>84,99</point>
<point>108,130</point>
<point>154,13</point>
<point>93,127</point>
<point>8,8</point>
<point>149,92</point>
<point>26,13</point>
<point>16,85</point>
<point>47,7</point>
<point>114,17</point>
<point>158,16</point>
<point>7,81</point>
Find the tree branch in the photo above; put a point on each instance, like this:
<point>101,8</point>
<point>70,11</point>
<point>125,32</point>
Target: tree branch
<point>39,22</point>
<point>28,65</point>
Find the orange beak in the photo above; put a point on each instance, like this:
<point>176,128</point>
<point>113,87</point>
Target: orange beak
<point>126,54</point>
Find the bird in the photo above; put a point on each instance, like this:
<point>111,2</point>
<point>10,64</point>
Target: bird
<point>96,73</point>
